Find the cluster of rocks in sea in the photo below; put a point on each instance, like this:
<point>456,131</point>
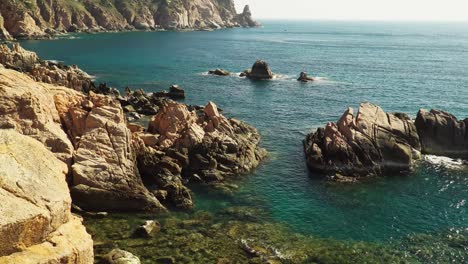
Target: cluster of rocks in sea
<point>60,145</point>
<point>260,71</point>
<point>37,19</point>
<point>373,142</point>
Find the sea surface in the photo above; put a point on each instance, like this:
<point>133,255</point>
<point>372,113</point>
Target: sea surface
<point>397,65</point>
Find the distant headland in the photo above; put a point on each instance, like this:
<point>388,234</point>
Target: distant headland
<point>44,19</point>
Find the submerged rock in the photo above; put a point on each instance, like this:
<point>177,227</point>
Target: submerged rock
<point>441,133</point>
<point>118,256</point>
<point>303,77</point>
<point>372,143</point>
<point>149,229</point>
<point>219,72</point>
<point>260,71</point>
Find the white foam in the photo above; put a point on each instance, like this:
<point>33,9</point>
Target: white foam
<point>445,162</point>
<point>54,61</point>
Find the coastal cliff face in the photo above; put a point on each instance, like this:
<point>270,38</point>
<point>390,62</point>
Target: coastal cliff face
<point>44,18</point>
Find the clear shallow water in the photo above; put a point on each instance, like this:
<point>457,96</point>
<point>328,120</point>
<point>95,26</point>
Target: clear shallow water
<point>400,66</point>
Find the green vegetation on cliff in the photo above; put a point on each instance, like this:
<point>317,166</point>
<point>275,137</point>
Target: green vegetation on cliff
<point>44,18</point>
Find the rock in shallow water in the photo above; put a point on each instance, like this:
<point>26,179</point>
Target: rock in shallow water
<point>441,133</point>
<point>149,229</point>
<point>118,256</point>
<point>303,77</point>
<point>200,145</point>
<point>372,143</point>
<point>219,72</point>
<point>259,71</point>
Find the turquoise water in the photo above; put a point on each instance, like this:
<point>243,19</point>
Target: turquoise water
<point>400,66</point>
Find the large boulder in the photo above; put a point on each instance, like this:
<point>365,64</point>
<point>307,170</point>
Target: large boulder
<point>36,224</point>
<point>372,143</point>
<point>260,71</point>
<point>28,107</point>
<point>105,175</point>
<point>441,133</point>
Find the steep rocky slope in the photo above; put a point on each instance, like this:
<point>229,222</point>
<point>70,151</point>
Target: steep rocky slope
<point>44,18</point>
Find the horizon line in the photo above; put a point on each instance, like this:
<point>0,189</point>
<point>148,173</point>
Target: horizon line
<point>362,19</point>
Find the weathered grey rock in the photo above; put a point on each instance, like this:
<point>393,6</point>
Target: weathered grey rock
<point>175,92</point>
<point>260,71</point>
<point>441,133</point>
<point>372,143</point>
<point>36,224</point>
<point>303,77</point>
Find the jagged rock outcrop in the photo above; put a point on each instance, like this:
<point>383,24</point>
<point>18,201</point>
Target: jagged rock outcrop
<point>105,175</point>
<point>372,143</point>
<point>245,18</point>
<point>260,71</point>
<point>27,107</point>
<point>4,34</point>
<point>219,72</point>
<point>197,144</point>
<point>28,62</point>
<point>36,224</point>
<point>441,133</point>
<point>44,18</point>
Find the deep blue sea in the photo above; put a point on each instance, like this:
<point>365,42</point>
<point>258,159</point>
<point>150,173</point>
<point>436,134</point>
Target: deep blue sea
<point>400,66</point>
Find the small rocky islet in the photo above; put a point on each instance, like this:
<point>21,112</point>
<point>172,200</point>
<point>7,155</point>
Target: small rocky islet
<point>375,143</point>
<point>260,70</point>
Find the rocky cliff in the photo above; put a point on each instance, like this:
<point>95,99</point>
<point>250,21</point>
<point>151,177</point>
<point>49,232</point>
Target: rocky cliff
<point>36,225</point>
<point>372,142</point>
<point>45,18</point>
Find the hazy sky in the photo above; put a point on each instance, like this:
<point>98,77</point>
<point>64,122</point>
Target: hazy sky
<point>359,9</point>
